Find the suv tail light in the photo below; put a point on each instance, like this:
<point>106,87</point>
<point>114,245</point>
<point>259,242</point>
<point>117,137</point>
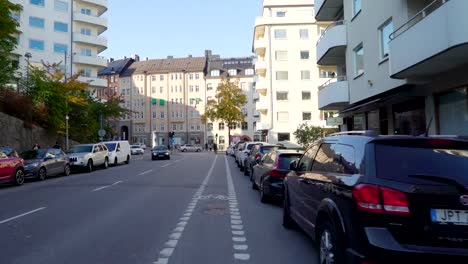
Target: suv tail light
<point>377,199</point>
<point>275,173</point>
<point>258,156</point>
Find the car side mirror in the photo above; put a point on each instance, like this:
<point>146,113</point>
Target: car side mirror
<point>293,165</point>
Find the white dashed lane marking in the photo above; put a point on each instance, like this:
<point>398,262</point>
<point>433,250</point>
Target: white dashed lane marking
<point>21,215</point>
<point>107,186</point>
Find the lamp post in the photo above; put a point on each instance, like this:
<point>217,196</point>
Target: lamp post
<point>28,56</point>
<point>66,105</point>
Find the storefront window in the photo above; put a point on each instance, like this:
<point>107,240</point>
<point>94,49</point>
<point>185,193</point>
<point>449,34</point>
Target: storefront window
<point>453,112</point>
<point>410,118</point>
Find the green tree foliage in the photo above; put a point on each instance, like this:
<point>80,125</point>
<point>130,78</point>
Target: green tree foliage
<point>306,134</point>
<point>226,107</point>
<point>8,30</point>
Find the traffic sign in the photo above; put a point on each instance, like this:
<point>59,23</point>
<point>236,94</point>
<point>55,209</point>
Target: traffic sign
<point>101,132</point>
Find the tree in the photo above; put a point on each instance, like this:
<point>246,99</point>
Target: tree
<point>306,134</point>
<point>226,107</point>
<point>8,30</point>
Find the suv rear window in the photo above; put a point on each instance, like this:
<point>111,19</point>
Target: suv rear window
<point>286,159</point>
<point>267,149</point>
<point>402,163</point>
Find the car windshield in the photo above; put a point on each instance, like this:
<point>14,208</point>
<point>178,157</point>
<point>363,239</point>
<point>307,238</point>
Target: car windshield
<point>268,149</point>
<point>111,146</point>
<point>5,153</point>
<point>34,154</point>
<point>250,146</point>
<point>160,148</point>
<point>286,159</point>
<point>81,149</point>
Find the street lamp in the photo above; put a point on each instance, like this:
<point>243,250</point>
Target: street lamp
<point>28,56</point>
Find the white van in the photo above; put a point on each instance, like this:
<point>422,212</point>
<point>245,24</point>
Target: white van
<point>119,152</point>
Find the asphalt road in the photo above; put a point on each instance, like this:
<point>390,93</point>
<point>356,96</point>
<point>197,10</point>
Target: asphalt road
<point>194,208</point>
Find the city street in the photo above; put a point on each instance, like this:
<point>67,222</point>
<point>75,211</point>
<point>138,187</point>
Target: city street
<point>194,208</point>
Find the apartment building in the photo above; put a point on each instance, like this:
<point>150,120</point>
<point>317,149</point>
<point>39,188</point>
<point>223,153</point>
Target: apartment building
<point>164,95</point>
<point>287,75</point>
<point>240,71</point>
<point>66,31</point>
<point>401,65</point>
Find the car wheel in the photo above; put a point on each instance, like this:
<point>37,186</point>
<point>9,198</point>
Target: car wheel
<point>89,166</point>
<point>116,162</point>
<point>19,177</point>
<point>264,198</point>
<point>288,222</point>
<point>42,174</point>
<point>128,160</point>
<point>168,157</point>
<point>66,170</point>
<point>329,245</point>
<point>198,150</point>
<point>251,174</point>
<point>246,171</point>
<point>254,185</point>
<point>106,163</point>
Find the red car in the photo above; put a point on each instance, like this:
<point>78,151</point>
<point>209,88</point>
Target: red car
<point>11,166</point>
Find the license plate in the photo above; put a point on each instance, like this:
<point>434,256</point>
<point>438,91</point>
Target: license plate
<point>161,155</point>
<point>448,216</point>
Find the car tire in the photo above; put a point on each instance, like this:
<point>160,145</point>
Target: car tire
<point>169,157</point>
<point>254,185</point>
<point>19,177</point>
<point>66,170</point>
<point>128,160</point>
<point>288,221</point>
<point>198,150</point>
<point>42,174</point>
<point>330,249</point>
<point>264,198</point>
<point>89,166</point>
<point>106,163</point>
<point>116,162</point>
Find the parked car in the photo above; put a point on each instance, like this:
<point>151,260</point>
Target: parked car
<point>42,163</point>
<point>119,152</point>
<point>136,150</point>
<point>269,173</point>
<point>382,199</point>
<point>11,166</point>
<point>189,147</point>
<point>88,156</point>
<point>143,146</point>
<point>160,152</point>
<point>244,154</point>
<point>256,155</point>
<point>238,152</point>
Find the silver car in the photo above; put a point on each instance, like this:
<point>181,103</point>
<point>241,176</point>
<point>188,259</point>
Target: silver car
<point>88,156</point>
<point>189,147</point>
<point>42,163</point>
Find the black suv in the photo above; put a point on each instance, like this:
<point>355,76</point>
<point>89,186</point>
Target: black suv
<point>382,199</point>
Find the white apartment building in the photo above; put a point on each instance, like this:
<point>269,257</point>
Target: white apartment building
<point>401,65</point>
<point>240,71</point>
<point>287,75</point>
<point>66,31</point>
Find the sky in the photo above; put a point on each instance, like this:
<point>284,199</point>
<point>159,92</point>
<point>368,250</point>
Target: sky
<point>159,28</point>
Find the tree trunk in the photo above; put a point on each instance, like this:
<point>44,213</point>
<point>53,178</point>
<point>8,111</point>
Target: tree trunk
<point>229,136</point>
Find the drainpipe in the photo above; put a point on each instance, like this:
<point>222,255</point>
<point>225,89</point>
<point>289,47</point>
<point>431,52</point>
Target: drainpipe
<point>270,69</point>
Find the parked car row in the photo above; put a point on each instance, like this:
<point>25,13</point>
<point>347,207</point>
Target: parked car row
<point>366,198</point>
<point>43,163</point>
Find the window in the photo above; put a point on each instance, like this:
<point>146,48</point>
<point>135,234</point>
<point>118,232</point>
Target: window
<point>85,52</point>
<point>249,72</point>
<point>304,33</point>
<point>233,126</point>
<point>161,77</point>
<point>281,96</point>
<point>327,73</point>
<point>60,48</point>
<point>192,128</point>
<point>306,116</point>
<point>36,44</point>
<point>174,127</point>
<point>181,127</point>
<point>306,95</point>
<point>232,72</point>
<point>359,60</point>
<point>209,126</point>
<point>16,15</point>
<point>221,126</point>
<point>306,161</point>
<point>85,31</point>
<point>60,27</point>
<point>198,127</point>
<point>283,116</point>
<point>305,75</point>
<point>162,115</point>
<point>323,161</point>
<point>281,55</point>
<point>197,76</point>
<point>356,7</point>
<point>191,76</point>
<point>37,2</point>
<point>245,126</point>
<point>163,128</point>
<point>304,54</point>
<point>281,75</point>
<point>36,22</point>
<point>283,137</point>
<point>155,115</point>
<point>385,30</point>
<point>209,87</point>
<point>197,88</point>
<point>215,73</point>
<point>87,72</point>
<point>86,11</point>
<point>280,14</point>
<point>60,5</point>
<point>222,140</point>
<point>281,34</point>
<point>191,88</point>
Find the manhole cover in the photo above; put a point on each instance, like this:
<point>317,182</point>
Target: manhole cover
<point>216,209</point>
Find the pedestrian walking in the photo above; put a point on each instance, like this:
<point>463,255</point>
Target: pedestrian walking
<point>215,148</point>
<point>36,146</point>
<point>206,146</point>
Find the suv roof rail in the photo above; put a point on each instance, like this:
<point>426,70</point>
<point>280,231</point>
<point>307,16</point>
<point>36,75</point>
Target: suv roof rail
<point>370,133</point>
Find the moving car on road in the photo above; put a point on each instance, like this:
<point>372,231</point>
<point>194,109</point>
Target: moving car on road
<point>189,147</point>
<point>160,152</point>
<point>136,150</point>
<point>11,166</point>
<point>382,199</point>
<point>119,151</point>
<point>269,173</point>
<point>42,163</point>
<point>88,156</point>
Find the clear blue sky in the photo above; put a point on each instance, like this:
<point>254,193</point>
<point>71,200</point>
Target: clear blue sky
<point>158,28</point>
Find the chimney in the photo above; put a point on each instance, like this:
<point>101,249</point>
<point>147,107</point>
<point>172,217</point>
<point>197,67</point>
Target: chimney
<point>190,56</point>
<point>147,58</point>
<point>125,57</point>
<point>170,57</point>
<point>208,53</point>
<point>136,57</point>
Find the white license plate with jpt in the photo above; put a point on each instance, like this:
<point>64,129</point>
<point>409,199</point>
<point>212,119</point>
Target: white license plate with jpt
<point>448,216</point>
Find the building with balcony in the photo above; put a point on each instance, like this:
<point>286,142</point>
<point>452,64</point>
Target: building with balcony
<point>239,71</point>
<point>287,76</point>
<point>66,31</point>
<point>401,64</point>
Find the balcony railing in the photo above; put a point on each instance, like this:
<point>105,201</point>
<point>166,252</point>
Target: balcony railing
<point>332,80</point>
<point>332,25</point>
<point>434,5</point>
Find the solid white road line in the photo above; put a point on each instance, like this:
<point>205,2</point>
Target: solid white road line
<point>238,235</point>
<point>107,186</point>
<point>21,215</point>
<point>165,165</point>
<point>166,253</point>
<point>146,172</point>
